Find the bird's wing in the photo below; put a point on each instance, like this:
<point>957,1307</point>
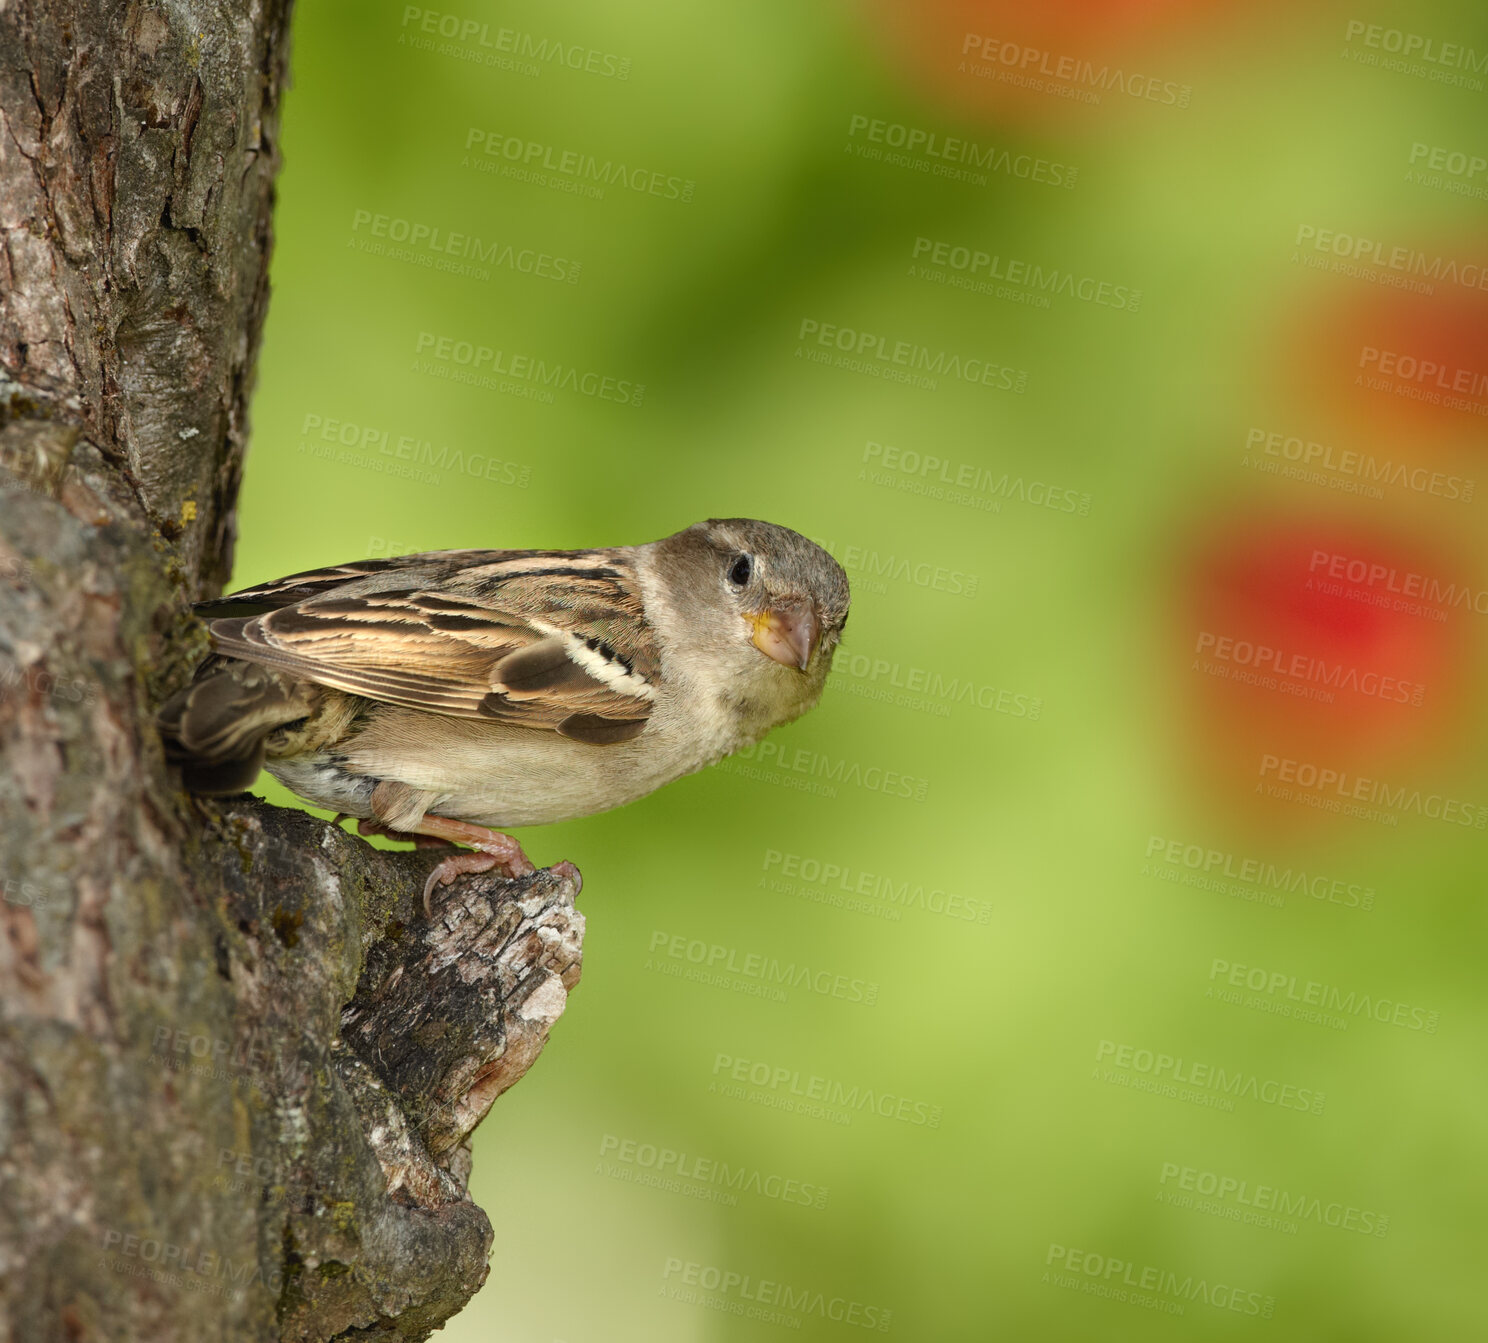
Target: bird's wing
<point>402,571</point>
<point>540,639</point>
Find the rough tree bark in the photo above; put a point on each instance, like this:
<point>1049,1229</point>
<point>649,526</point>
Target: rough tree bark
<point>238,1067</point>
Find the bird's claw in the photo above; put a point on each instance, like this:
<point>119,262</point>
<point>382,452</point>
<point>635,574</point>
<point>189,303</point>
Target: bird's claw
<point>508,858</point>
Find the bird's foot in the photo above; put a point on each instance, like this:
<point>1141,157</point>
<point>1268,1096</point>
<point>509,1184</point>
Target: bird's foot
<point>366,829</point>
<point>493,850</point>
<point>456,865</point>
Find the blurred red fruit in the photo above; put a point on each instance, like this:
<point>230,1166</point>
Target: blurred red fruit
<point>1328,643</point>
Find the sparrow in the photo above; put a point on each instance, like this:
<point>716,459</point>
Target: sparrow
<point>446,696</point>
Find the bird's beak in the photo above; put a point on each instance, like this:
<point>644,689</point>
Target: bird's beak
<point>787,633</point>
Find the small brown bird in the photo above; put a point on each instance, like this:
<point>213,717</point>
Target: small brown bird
<point>437,696</point>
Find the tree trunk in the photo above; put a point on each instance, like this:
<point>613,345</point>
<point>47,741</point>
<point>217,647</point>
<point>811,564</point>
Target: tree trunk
<point>238,1067</point>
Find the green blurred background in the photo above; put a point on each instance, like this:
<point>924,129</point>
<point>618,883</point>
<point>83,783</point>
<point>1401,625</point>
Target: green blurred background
<point>1046,721</point>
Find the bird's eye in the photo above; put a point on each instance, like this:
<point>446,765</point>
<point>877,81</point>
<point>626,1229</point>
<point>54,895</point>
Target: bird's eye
<point>741,571</point>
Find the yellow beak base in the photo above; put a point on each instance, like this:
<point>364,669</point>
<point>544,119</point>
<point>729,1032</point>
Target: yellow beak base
<point>788,634</point>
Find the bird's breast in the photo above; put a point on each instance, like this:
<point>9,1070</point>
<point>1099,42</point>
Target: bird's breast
<point>498,775</point>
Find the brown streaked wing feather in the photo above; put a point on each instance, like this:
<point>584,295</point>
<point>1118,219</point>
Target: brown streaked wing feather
<point>492,642</point>
<point>360,576</point>
<point>601,602</point>
<point>600,731</point>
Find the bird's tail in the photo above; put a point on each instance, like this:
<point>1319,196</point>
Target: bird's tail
<point>215,729</point>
